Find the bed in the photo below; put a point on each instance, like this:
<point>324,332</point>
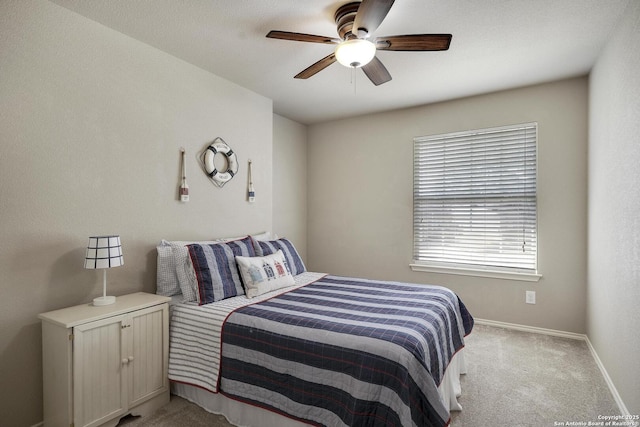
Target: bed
<point>304,348</point>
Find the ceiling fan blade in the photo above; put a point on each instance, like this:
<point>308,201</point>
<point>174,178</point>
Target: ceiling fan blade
<point>415,42</point>
<point>376,72</point>
<point>317,67</point>
<point>300,37</point>
<point>370,15</point>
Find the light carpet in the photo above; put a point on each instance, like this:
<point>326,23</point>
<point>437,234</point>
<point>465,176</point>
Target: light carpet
<point>515,379</point>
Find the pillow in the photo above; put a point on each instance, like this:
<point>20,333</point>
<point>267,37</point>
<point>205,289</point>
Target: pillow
<point>215,269</point>
<point>166,279</point>
<point>173,270</point>
<point>184,271</point>
<point>293,262</point>
<point>167,282</point>
<point>265,235</point>
<point>264,274</point>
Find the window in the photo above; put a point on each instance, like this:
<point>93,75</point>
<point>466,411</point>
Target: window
<point>475,204</point>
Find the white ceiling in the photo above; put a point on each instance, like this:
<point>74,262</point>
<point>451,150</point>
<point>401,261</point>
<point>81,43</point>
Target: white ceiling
<point>497,44</point>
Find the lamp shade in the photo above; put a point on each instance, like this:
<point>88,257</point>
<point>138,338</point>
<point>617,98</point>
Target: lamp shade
<point>355,52</point>
<point>104,252</point>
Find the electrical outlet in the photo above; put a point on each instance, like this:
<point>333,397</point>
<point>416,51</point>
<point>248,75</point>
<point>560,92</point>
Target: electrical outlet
<point>530,297</point>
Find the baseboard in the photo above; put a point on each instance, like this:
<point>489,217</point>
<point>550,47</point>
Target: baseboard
<point>607,379</point>
<point>571,335</point>
<point>533,329</point>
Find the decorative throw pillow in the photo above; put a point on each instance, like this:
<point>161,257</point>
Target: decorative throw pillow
<point>167,281</point>
<point>216,271</point>
<point>264,274</point>
<point>184,271</point>
<point>293,261</point>
<point>174,273</point>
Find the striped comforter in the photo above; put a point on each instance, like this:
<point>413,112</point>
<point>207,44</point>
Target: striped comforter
<point>195,335</point>
<point>346,352</point>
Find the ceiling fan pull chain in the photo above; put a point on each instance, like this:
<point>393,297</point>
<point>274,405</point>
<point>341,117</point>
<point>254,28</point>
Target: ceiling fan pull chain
<point>354,79</point>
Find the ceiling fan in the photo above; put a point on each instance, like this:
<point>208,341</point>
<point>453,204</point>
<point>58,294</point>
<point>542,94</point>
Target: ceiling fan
<point>355,48</point>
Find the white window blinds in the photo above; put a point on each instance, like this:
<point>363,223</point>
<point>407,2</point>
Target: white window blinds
<point>475,199</point>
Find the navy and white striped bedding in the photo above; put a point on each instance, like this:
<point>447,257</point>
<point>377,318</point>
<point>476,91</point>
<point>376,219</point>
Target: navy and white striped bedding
<point>346,352</point>
<point>194,335</point>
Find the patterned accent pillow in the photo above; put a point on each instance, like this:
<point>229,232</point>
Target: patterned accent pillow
<point>216,271</point>
<point>293,261</point>
<point>264,274</point>
<point>166,279</point>
<point>184,271</point>
<point>168,264</point>
<point>174,274</point>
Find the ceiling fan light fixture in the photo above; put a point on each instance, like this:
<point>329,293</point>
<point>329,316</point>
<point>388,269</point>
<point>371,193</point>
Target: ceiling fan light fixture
<point>355,53</point>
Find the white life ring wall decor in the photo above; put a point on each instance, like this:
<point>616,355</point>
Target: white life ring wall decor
<point>219,177</point>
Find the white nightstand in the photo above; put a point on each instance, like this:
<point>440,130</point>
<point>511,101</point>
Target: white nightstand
<point>101,363</point>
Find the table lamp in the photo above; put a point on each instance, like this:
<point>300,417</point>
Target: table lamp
<point>104,252</point>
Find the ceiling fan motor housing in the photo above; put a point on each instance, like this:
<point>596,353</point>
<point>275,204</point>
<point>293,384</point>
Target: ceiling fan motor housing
<point>344,17</point>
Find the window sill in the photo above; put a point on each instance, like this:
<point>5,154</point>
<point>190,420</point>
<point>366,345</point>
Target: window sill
<point>494,274</point>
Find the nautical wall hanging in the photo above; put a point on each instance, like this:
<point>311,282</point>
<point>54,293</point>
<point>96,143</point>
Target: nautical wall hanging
<point>184,187</point>
<point>227,163</point>
<point>251,194</point>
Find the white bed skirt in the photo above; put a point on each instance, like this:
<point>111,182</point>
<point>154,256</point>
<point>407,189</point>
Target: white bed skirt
<point>450,388</point>
<point>245,415</point>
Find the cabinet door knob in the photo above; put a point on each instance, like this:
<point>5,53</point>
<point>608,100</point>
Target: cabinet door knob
<point>125,361</point>
<point>130,358</point>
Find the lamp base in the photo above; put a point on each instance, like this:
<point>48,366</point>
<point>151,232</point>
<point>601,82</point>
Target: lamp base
<point>104,301</point>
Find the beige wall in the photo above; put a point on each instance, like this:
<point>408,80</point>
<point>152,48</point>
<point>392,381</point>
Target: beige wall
<point>80,100</point>
<point>290,182</point>
<point>614,207</point>
<point>91,123</point>
<point>360,203</point>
